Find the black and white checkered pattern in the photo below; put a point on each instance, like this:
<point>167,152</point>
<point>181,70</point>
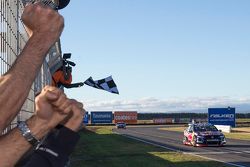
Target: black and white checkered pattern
<point>107,84</point>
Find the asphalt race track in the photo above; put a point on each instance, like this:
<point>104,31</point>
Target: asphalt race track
<point>235,153</point>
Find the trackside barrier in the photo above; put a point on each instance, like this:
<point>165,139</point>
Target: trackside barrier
<point>101,117</point>
<point>224,128</point>
<point>129,117</point>
<point>163,120</point>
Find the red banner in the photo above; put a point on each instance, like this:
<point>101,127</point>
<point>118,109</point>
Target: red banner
<point>129,117</point>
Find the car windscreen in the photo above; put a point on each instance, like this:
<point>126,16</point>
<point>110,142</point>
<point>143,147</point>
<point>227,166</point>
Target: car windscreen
<point>205,128</point>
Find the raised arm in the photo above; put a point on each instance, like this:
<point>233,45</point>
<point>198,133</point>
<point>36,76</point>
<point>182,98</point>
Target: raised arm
<point>44,26</point>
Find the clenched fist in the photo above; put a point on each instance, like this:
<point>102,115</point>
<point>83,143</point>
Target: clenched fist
<point>75,119</point>
<point>52,106</point>
<point>43,21</point>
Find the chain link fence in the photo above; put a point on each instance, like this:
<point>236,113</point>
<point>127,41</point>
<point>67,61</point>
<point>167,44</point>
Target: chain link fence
<point>13,38</point>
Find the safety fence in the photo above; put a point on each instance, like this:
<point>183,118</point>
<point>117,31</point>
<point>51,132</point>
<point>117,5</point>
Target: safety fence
<point>13,38</point>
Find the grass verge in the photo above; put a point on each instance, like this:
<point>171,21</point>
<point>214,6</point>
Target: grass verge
<point>98,146</point>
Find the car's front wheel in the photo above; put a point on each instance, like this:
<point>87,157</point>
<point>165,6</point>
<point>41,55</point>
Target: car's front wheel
<point>185,140</point>
<point>194,141</point>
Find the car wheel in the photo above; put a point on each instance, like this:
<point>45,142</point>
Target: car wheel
<point>185,140</point>
<point>194,141</point>
<point>221,145</point>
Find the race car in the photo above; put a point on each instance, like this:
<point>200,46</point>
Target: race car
<point>121,125</point>
<point>203,134</point>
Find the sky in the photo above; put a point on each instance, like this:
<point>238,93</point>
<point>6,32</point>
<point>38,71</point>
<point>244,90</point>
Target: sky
<point>164,55</point>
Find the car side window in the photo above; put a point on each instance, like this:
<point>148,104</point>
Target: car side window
<point>190,129</point>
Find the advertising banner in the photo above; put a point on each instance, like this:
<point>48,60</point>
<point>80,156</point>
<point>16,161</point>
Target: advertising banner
<point>170,120</point>
<point>163,120</point>
<point>185,120</point>
<point>86,118</point>
<point>176,120</point>
<point>101,117</point>
<point>160,121</point>
<point>221,116</point>
<point>200,120</point>
<point>129,117</point>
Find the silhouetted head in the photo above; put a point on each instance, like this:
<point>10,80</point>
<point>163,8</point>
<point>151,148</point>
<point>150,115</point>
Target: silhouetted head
<point>63,4</point>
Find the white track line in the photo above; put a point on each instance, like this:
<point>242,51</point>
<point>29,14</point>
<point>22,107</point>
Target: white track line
<point>172,149</point>
<point>214,153</point>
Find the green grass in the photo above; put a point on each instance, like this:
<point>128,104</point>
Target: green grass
<point>241,129</point>
<point>238,135</point>
<point>243,120</point>
<point>100,147</point>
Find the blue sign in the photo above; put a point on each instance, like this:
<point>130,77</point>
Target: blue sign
<point>86,118</point>
<point>221,116</point>
<point>101,117</point>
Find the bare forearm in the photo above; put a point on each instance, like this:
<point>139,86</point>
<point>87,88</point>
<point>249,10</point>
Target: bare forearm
<point>13,145</point>
<point>16,83</point>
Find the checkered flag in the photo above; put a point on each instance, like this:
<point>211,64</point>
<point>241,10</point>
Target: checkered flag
<point>107,84</point>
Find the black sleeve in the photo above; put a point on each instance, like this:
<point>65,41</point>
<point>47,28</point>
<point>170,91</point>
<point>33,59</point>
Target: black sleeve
<point>55,150</point>
<point>74,85</point>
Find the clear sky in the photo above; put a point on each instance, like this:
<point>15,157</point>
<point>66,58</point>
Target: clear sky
<point>165,55</point>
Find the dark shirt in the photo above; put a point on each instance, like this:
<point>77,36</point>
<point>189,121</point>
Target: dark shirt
<point>55,150</point>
